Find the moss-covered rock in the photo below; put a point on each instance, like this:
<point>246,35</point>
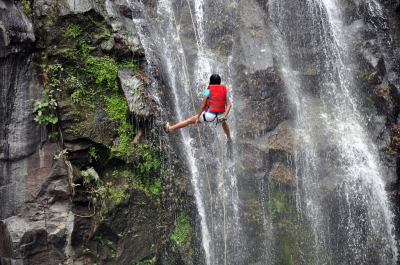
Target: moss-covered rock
<point>124,200</point>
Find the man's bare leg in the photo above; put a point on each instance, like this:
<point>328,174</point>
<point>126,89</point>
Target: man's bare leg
<point>182,124</point>
<point>226,130</point>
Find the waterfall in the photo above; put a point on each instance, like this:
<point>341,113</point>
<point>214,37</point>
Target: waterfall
<point>188,64</point>
<point>340,182</point>
<point>339,188</point>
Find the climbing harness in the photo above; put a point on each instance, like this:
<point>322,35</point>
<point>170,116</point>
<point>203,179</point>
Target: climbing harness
<point>216,118</point>
<point>223,119</point>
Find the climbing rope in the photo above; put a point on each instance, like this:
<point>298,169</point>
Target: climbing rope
<point>199,136</point>
<point>223,196</point>
<point>222,157</point>
<point>197,41</point>
<point>198,129</point>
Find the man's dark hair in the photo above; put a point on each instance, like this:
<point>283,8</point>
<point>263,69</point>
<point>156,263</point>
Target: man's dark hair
<point>215,79</point>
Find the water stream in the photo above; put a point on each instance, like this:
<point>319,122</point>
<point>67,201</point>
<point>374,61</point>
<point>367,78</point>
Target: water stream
<point>211,171</point>
<point>341,192</point>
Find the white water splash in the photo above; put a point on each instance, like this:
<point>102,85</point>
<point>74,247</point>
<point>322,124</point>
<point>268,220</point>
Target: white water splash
<point>333,140</point>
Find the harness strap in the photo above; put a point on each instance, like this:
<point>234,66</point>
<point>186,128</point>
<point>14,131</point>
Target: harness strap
<point>216,119</point>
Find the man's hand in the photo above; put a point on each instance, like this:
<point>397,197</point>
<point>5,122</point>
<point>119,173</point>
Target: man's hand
<point>222,119</point>
<point>197,121</point>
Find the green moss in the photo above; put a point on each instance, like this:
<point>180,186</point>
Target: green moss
<point>253,216</point>
<point>103,69</point>
<point>147,167</point>
<point>293,240</point>
<point>130,64</point>
<point>277,204</point>
<point>285,255</point>
<point>86,80</point>
<point>116,193</point>
<point>253,213</point>
<point>282,211</point>
<point>117,110</point>
<point>182,234</point>
<point>150,184</point>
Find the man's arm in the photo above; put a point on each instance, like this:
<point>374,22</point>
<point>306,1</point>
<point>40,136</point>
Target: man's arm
<point>228,106</point>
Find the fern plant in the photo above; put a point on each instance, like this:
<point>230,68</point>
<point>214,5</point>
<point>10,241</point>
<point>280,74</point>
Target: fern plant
<point>45,110</point>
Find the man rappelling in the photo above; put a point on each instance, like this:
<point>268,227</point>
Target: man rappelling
<point>215,107</point>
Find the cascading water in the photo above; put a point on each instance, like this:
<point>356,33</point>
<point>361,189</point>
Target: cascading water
<point>211,171</point>
<point>341,191</point>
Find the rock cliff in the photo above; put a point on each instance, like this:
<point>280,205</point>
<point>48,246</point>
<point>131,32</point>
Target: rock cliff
<point>87,177</point>
<point>82,176</point>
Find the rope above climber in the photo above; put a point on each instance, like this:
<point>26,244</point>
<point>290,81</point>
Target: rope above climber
<point>214,108</point>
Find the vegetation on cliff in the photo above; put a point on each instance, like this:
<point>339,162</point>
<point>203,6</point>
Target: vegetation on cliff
<point>116,172</point>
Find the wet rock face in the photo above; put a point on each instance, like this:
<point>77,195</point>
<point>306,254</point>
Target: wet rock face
<point>138,98</point>
<point>36,222</point>
<point>16,31</point>
<point>18,135</point>
<point>263,104</point>
<point>34,192</point>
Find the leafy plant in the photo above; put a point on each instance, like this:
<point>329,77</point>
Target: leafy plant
<point>94,190</point>
<point>52,74</point>
<point>99,237</point>
<point>148,161</point>
<point>62,153</point>
<point>92,154</point>
<point>53,135</point>
<point>45,110</point>
<point>147,262</point>
<point>72,31</point>
<point>155,187</point>
<point>90,176</point>
<point>26,6</point>
<point>73,83</point>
